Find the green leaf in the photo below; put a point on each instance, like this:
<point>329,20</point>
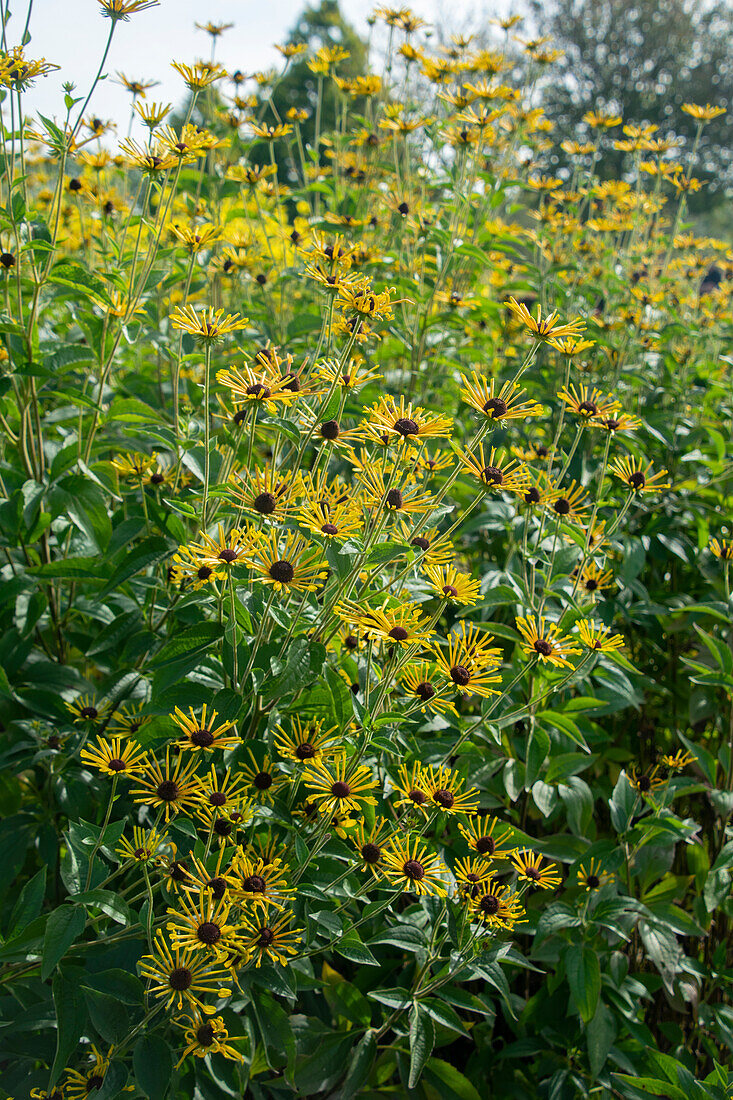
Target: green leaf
<point>115,1080</point>
<point>64,925</point>
<point>448,1082</point>
<point>152,1064</point>
<point>193,639</point>
<point>422,1041</point>
<point>28,906</point>
<point>622,803</point>
<point>600,1034</point>
<point>538,747</point>
<point>70,1021</point>
<point>584,978</point>
<point>76,277</point>
<point>109,1016</point>
<point>360,1065</point>
<point>151,550</point>
<point>73,569</point>
<point>109,902</point>
<point>351,947</point>
<point>652,1085</point>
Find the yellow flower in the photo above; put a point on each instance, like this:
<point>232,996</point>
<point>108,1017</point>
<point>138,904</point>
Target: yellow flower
<point>336,788</point>
<point>208,325</point>
<point>205,1035</point>
<point>123,9</point>
<point>269,940</point>
<point>496,907</point>
<point>479,833</point>
<point>443,788</point>
<point>202,925</point>
<point>587,402</point>
<point>115,757</point>
<point>544,328</point>
<point>594,580</point>
<point>599,637</point>
<point>452,585</point>
<point>402,625</point>
<point>391,493</point>
<point>409,864</point>
<point>678,760</point>
<point>181,975</point>
<point>86,708</point>
<point>170,790</point>
<point>306,741</point>
<point>200,75</point>
<point>702,114</point>
<point>637,476</point>
<point>529,866</point>
<point>289,564</point>
<point>722,549</point>
<point>203,735</point>
<point>505,404</point>
<point>403,422</point>
<point>592,876</point>
<point>144,846</point>
<point>568,504</point>
<point>544,641</point>
<point>496,472</point>
<point>471,661</point>
<point>258,884</point>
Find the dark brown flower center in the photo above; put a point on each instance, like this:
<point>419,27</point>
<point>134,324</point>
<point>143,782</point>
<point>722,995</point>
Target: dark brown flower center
<point>489,904</point>
<point>168,790</point>
<point>217,798</point>
<point>532,496</point>
<point>282,572</point>
<point>222,827</point>
<point>486,845</point>
<point>460,675</point>
<point>263,781</point>
<point>305,751</point>
<point>266,937</point>
<point>202,738</point>
<point>117,765</point>
<point>178,871</point>
<point>340,789</point>
<point>254,884</point>
<point>405,426</point>
<point>209,932</point>
<point>417,796</point>
<point>637,480</point>
<point>588,407</point>
<point>205,1035</point>
<point>351,641</point>
<point>371,853</point>
<point>593,881</point>
<point>258,389</point>
<point>450,590</point>
<point>330,429</point>
<point>591,585</point>
<point>265,504</point>
<point>413,870</point>
<point>203,573</point>
<point>562,506</point>
<point>228,556</point>
<point>94,1082</point>
<point>421,543</point>
<point>330,529</point>
<point>444,798</point>
<point>425,691</point>
<point>394,499</point>
<point>543,647</point>
<point>180,978</point>
<point>644,783</point>
<point>89,713</point>
<point>492,475</point>
<point>398,633</point>
<point>218,887</point>
<point>612,424</point>
<point>496,408</point>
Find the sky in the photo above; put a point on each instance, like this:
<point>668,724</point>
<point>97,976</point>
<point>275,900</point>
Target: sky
<point>72,34</point>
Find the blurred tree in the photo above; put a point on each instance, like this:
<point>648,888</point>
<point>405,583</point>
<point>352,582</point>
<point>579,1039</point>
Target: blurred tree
<point>643,59</point>
<point>316,28</point>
